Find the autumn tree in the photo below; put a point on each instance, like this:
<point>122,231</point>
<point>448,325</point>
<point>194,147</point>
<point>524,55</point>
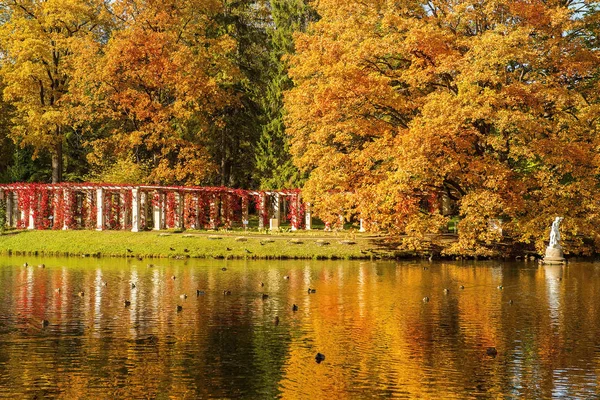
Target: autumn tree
<point>158,86</point>
<point>493,104</point>
<point>38,41</point>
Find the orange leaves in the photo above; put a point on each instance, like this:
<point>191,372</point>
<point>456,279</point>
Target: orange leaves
<point>481,102</point>
<point>160,81</point>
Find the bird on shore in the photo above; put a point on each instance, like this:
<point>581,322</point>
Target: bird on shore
<point>461,287</point>
<point>179,308</point>
<point>265,296</point>
<point>81,293</point>
<point>500,287</point>
<point>26,265</point>
<point>223,269</point>
<point>226,292</point>
<point>57,290</point>
<point>132,285</point>
<point>171,248</point>
<point>129,251</point>
<point>262,284</point>
<point>248,251</point>
<point>319,358</point>
<point>186,250</point>
<point>173,277</point>
<point>199,292</point>
<point>425,299</point>
<point>42,266</point>
<point>127,303</point>
<point>312,290</point>
<point>183,296</point>
<point>287,277</point>
<point>276,320</point>
<point>294,307</point>
<point>45,323</point>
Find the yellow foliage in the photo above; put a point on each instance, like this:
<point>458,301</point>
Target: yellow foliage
<point>494,104</point>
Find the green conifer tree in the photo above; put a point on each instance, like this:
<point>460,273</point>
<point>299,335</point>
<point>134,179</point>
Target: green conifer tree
<point>274,167</point>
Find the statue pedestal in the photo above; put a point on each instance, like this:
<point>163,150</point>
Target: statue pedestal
<point>554,255</point>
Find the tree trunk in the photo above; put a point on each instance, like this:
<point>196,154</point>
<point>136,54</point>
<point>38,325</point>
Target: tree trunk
<point>57,163</point>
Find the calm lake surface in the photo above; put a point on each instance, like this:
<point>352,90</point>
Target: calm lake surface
<point>379,338</point>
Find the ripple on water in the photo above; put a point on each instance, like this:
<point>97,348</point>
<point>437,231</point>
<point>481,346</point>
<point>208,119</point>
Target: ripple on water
<point>379,338</point>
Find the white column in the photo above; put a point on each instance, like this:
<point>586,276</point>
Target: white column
<point>32,204</point>
<point>135,210</point>
<point>88,205</point>
<point>143,210</point>
<point>196,207</point>
<point>124,211</point>
<point>275,221</point>
<point>341,219</point>
<point>3,196</point>
<point>307,217</point>
<point>263,204</point>
<point>158,212</point>
<point>68,208</point>
<point>99,209</point>
<point>14,212</point>
<point>245,212</point>
<point>296,201</point>
<point>214,212</point>
<point>21,213</point>
<point>362,228</point>
<point>9,208</point>
<point>179,199</point>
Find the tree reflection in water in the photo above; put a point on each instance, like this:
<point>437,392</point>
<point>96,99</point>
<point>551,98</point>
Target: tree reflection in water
<point>369,318</point>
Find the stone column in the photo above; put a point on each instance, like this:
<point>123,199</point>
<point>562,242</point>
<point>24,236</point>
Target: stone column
<point>196,207</point>
<point>124,210</point>
<point>89,201</point>
<point>9,209</point>
<point>296,202</point>
<point>99,209</point>
<point>3,198</point>
<point>362,228</point>
<point>68,208</point>
<point>275,220</point>
<point>158,211</point>
<point>179,205</point>
<point>135,210</point>
<point>143,210</point>
<point>307,217</point>
<point>245,212</point>
<point>214,211</point>
<point>31,224</point>
<point>262,205</point>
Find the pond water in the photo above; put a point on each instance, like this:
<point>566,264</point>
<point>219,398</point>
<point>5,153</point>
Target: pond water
<point>379,338</point>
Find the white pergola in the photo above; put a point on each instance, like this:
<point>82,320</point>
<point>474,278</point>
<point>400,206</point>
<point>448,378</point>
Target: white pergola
<point>132,207</point>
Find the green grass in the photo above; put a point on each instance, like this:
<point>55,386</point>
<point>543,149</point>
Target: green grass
<point>304,245</point>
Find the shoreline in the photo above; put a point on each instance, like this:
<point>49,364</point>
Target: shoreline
<point>200,244</point>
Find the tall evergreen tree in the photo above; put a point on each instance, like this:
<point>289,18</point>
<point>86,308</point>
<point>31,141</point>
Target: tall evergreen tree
<point>274,168</point>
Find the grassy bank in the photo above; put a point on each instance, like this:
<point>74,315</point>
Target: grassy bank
<point>305,245</point>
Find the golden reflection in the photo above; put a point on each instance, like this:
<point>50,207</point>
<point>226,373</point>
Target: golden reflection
<point>368,318</point>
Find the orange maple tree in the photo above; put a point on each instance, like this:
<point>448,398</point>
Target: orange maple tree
<point>492,104</point>
<point>157,84</point>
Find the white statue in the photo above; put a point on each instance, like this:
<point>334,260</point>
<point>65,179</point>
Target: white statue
<point>555,233</point>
